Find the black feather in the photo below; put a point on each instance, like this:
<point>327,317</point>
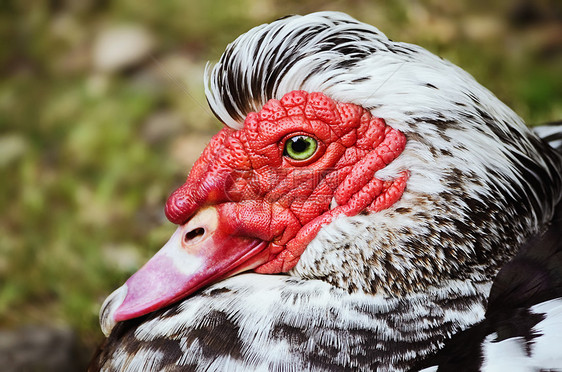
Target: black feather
<point>531,277</point>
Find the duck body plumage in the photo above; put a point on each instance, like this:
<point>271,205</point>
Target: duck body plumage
<point>251,322</point>
<point>461,269</point>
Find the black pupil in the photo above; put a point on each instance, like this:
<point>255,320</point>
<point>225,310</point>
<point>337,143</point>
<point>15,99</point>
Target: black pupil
<point>300,145</point>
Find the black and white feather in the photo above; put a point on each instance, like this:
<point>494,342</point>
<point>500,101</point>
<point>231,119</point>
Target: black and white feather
<point>381,291</point>
<point>521,329</point>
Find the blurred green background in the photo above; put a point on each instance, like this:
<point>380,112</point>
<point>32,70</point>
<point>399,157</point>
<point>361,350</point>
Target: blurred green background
<point>102,113</point>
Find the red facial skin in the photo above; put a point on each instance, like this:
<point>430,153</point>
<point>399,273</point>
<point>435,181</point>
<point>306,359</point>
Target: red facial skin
<point>261,193</point>
<point>247,205</point>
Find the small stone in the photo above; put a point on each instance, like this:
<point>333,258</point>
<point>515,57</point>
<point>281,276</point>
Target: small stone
<point>162,125</point>
<point>39,348</point>
<point>186,150</point>
<point>12,147</point>
<point>123,257</point>
<point>121,47</point>
<point>483,28</point>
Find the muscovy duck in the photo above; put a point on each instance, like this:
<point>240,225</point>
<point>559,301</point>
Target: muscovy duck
<point>375,190</point>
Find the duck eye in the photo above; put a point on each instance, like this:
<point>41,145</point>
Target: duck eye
<point>300,147</point>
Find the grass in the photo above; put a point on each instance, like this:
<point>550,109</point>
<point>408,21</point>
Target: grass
<point>84,173</point>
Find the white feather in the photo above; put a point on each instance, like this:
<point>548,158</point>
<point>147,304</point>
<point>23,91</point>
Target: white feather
<point>545,350</point>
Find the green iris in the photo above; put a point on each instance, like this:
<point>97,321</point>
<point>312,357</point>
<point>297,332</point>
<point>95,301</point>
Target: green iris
<point>300,147</point>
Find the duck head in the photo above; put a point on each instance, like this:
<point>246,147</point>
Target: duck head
<point>346,157</point>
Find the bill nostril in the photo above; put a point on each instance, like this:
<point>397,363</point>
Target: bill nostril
<point>199,228</point>
<point>194,236</point>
